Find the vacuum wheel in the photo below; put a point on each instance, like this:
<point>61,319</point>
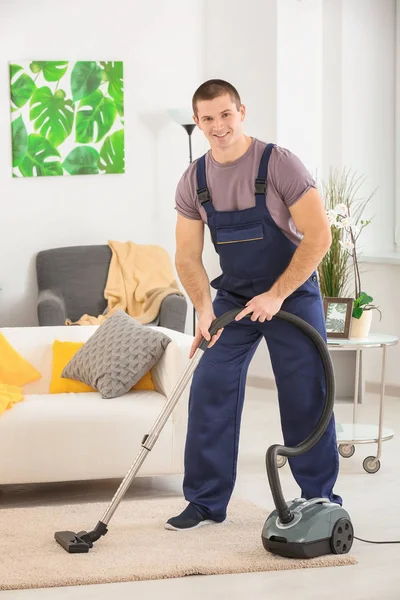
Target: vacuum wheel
<point>281,461</point>
<point>342,536</point>
<point>346,450</point>
<point>371,464</point>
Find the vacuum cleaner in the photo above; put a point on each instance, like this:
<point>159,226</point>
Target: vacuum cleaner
<point>300,529</point>
<point>314,527</point>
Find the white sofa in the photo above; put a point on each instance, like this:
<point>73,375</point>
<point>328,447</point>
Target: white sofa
<point>71,437</point>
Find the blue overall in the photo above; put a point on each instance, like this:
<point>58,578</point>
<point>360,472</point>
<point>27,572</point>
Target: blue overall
<point>253,253</point>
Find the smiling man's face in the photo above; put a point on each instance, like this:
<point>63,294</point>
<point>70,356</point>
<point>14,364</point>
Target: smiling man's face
<point>220,120</point>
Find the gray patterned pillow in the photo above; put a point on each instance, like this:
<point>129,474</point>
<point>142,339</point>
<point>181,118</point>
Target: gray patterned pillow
<point>117,355</point>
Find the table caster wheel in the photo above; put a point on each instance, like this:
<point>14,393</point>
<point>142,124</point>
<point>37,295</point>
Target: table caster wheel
<point>346,450</point>
<point>371,464</point>
<point>281,461</point>
<point>342,536</point>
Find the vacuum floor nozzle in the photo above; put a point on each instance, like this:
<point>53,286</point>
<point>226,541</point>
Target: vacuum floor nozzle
<point>73,542</point>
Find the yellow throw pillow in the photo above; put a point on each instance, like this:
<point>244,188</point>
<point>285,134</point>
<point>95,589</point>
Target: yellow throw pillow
<point>146,383</point>
<point>62,354</point>
<point>14,369</point>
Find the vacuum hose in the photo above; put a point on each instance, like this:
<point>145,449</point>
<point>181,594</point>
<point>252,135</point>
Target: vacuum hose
<point>277,450</point>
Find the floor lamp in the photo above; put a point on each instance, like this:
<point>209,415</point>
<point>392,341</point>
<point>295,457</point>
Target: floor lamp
<point>182,117</point>
<point>189,127</point>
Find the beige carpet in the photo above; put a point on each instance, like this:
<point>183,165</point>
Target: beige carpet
<point>136,546</point>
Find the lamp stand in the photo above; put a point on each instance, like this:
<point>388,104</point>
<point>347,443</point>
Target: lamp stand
<point>189,127</point>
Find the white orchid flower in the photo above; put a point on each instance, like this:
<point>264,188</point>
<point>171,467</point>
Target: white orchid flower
<point>341,209</point>
<point>347,222</point>
<point>332,217</point>
<point>347,245</point>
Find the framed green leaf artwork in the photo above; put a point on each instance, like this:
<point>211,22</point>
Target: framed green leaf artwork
<point>67,118</point>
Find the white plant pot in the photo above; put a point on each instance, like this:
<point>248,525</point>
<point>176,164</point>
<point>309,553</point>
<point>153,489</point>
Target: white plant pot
<point>360,327</point>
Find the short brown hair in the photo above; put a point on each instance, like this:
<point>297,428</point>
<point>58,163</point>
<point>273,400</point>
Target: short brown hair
<point>213,88</point>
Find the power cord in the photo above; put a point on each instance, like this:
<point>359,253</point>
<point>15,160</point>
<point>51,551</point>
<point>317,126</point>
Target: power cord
<point>372,542</point>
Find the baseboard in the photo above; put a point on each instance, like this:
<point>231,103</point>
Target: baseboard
<point>265,383</point>
<point>372,387</point>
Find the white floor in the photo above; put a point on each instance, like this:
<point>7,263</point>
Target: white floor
<point>372,501</point>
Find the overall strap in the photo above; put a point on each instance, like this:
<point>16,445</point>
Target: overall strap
<point>261,180</point>
<point>203,193</point>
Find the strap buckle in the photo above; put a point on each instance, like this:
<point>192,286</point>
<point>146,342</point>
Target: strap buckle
<point>260,186</point>
<point>203,195</point>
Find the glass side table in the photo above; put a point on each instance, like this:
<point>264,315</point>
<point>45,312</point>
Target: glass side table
<point>355,433</point>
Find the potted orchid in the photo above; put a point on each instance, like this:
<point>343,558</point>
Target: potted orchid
<point>340,219</point>
<point>344,213</point>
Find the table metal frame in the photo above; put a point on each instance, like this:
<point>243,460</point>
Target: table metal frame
<point>353,344</point>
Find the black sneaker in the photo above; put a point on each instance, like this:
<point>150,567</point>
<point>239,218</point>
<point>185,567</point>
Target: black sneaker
<point>190,518</point>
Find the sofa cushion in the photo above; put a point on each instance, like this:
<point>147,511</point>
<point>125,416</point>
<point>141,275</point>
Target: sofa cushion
<point>68,437</point>
<point>117,356</point>
<point>14,369</point>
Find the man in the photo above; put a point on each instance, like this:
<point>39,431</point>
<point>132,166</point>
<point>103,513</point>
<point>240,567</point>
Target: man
<point>269,227</point>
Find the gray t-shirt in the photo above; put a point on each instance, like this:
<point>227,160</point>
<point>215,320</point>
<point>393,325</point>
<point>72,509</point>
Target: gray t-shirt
<point>231,186</point>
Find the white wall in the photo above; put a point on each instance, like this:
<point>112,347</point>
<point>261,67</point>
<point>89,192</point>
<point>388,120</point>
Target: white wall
<point>336,96</point>
<point>317,76</point>
<point>162,46</point>
<point>332,65</point>
<point>368,109</point>
<point>384,281</point>
<point>397,128</point>
<point>300,79</point>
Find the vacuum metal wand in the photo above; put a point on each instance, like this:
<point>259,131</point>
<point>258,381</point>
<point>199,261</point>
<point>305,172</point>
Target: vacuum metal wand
<point>150,439</point>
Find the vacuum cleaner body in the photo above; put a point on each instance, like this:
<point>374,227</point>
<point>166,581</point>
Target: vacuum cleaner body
<point>318,527</point>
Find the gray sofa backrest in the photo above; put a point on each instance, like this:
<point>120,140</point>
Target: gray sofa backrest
<point>79,273</point>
